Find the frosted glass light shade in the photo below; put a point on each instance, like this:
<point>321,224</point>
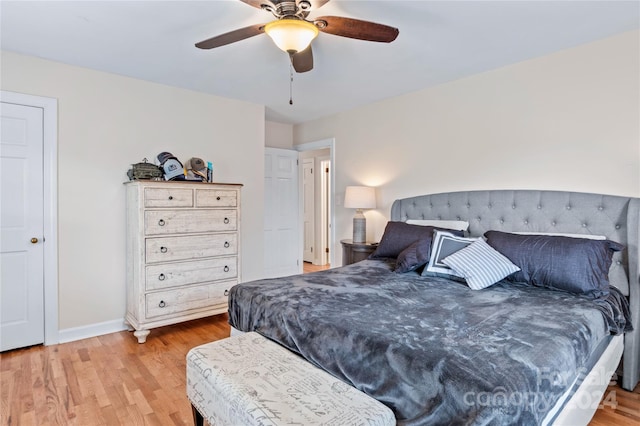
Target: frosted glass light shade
<point>360,197</point>
<point>291,35</point>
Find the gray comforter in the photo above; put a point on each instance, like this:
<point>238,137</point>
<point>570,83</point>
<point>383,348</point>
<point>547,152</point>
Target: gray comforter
<point>433,350</point>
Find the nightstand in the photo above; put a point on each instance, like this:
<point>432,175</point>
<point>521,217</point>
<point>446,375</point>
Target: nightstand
<point>355,252</point>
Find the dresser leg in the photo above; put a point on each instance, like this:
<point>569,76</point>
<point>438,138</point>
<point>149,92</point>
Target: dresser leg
<point>141,335</point>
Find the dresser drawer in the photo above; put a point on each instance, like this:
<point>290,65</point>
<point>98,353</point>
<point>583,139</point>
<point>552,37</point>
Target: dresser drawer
<point>165,249</point>
<point>168,197</point>
<point>159,222</point>
<point>183,273</point>
<point>173,302</point>
<point>216,198</point>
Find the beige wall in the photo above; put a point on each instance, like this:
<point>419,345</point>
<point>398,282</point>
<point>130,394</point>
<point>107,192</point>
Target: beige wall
<point>106,122</point>
<point>278,135</point>
<point>566,121</point>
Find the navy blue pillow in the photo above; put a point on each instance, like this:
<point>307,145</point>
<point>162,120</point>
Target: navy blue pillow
<point>577,265</point>
<point>400,235</point>
<point>414,256</point>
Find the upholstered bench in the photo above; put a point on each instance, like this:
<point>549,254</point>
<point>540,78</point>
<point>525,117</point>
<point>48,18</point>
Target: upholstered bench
<point>250,380</point>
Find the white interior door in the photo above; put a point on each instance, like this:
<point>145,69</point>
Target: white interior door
<point>21,226</point>
<point>325,209</point>
<point>281,225</point>
<point>309,199</point>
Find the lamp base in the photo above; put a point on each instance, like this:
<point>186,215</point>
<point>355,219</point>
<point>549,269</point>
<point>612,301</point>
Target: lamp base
<point>359,228</point>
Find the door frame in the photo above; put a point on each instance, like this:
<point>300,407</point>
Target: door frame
<point>312,146</point>
<point>50,206</point>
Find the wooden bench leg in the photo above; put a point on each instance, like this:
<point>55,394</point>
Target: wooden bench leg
<point>198,420</point>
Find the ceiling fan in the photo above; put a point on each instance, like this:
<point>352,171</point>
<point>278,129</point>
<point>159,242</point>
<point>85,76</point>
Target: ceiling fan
<point>293,33</point>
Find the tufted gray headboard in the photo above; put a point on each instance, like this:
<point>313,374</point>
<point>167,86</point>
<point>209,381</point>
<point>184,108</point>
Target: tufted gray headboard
<point>615,217</point>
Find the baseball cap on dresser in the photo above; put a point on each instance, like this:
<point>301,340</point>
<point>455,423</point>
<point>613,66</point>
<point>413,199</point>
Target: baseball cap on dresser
<point>171,166</point>
<point>164,156</point>
<point>195,167</point>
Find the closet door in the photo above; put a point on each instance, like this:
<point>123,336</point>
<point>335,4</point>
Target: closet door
<point>22,227</point>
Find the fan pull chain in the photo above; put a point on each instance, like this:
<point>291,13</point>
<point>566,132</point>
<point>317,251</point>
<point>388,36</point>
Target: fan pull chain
<point>290,83</point>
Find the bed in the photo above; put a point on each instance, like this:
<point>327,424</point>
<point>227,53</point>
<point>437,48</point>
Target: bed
<point>435,350</point>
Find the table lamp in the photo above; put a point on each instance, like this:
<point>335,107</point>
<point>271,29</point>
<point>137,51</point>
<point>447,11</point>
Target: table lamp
<point>359,198</point>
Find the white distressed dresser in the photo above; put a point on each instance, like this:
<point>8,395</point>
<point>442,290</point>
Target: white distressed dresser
<point>183,246</point>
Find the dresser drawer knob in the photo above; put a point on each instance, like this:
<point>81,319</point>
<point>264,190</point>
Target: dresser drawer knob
<point>218,198</point>
<point>170,197</point>
<point>226,244</point>
<point>162,304</point>
<point>161,277</point>
<point>226,268</point>
<point>226,220</point>
<point>163,249</point>
<point>226,292</point>
<point>161,222</point>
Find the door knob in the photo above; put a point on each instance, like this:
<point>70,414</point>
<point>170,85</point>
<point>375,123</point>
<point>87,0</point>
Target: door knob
<point>34,240</point>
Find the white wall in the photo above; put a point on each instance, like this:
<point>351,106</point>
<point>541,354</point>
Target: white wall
<point>566,121</point>
<point>106,122</point>
<point>278,135</point>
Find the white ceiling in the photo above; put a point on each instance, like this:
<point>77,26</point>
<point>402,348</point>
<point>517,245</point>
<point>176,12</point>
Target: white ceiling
<point>439,41</point>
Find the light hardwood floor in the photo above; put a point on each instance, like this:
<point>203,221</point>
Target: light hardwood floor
<point>310,267</point>
<point>112,380</point>
<point>106,380</point>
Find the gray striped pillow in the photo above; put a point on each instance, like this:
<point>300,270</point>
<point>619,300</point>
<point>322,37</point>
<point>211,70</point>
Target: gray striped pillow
<point>480,265</point>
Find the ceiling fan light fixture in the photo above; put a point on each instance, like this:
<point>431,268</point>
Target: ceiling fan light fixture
<point>291,35</point>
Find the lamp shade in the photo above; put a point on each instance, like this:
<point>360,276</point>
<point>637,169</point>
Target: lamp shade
<point>360,197</point>
<point>291,35</point>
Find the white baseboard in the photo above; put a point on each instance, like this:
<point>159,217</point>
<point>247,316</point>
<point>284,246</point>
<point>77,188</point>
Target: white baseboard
<point>92,330</point>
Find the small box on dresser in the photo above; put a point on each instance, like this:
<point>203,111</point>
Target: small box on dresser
<point>183,251</point>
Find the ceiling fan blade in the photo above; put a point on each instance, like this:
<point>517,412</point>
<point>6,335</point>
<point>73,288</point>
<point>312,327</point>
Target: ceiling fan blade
<point>355,28</point>
<point>231,37</point>
<point>303,61</point>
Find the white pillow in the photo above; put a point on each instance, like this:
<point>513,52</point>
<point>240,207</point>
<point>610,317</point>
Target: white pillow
<point>480,265</point>
<point>444,244</point>
<point>458,225</point>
